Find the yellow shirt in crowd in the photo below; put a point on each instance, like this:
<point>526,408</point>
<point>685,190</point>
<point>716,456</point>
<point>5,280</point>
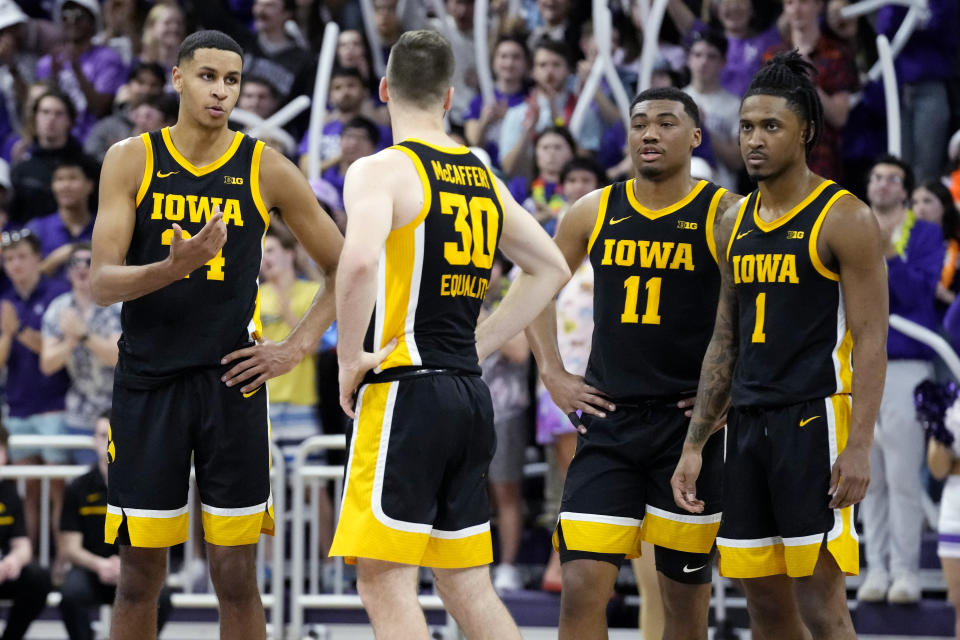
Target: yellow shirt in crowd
<point>298,386</point>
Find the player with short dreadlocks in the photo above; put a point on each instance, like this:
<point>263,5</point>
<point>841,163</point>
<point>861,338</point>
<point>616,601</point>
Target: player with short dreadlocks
<point>803,295</point>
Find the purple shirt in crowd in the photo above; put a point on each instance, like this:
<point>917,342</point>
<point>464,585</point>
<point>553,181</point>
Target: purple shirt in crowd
<point>931,50</point>
<point>330,140</point>
<point>743,57</point>
<point>29,392</point>
<point>493,131</point>
<point>53,233</point>
<point>913,280</point>
<point>102,66</point>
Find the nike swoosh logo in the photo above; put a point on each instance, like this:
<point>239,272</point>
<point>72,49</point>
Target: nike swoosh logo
<point>247,395</point>
<point>164,175</point>
<point>740,235</point>
<point>619,220</point>
<point>687,569</point>
<point>803,423</point>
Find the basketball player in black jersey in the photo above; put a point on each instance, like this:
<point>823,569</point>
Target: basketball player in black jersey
<point>423,221</point>
<point>656,282</point>
<point>804,295</point>
<point>178,239</point>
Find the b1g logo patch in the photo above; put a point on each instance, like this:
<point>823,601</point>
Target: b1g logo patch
<point>683,224</point>
<point>232,180</point>
<point>794,235</point>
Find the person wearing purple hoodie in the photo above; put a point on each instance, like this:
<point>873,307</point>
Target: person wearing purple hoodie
<point>924,68</point>
<point>892,512</point>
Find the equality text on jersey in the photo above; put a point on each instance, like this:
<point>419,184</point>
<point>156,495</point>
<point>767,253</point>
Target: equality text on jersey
<point>176,207</point>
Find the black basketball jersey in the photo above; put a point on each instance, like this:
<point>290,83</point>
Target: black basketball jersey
<point>434,271</point>
<point>794,343</point>
<point>656,285</point>
<point>214,310</point>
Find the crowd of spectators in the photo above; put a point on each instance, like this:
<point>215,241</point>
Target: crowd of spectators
<point>78,75</point>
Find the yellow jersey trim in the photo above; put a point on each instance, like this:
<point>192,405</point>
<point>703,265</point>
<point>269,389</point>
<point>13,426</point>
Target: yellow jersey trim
<point>93,510</point>
<point>427,191</point>
<point>601,215</point>
<point>659,213</point>
<point>815,233</point>
<point>789,215</point>
<point>189,166</point>
<point>147,168</point>
<point>736,225</point>
<point>460,150</point>
<point>711,220</point>
<point>255,184</point>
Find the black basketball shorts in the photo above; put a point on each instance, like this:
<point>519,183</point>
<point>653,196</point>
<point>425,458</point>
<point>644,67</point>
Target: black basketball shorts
<point>416,488</point>
<point>617,490</point>
<point>155,430</point>
<point>776,515</point>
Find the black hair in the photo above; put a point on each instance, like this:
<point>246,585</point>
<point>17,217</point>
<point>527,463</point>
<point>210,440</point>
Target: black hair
<point>555,129</point>
<point>713,38</point>
<point>515,39</point>
<point>208,39</point>
<point>261,80</point>
<point>672,94</point>
<point>554,46</point>
<point>368,126</point>
<point>584,164</point>
<point>53,92</point>
<point>346,72</point>
<point>951,215</point>
<point>10,239</point>
<point>104,415</point>
<point>70,161</point>
<point>789,76</point>
<point>897,162</point>
<point>149,67</point>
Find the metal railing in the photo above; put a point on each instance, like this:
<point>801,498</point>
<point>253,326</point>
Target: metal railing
<point>274,601</point>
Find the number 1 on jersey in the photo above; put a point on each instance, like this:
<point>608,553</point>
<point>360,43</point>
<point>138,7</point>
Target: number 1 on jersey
<point>758,334</point>
<point>214,264</point>
<point>651,315</point>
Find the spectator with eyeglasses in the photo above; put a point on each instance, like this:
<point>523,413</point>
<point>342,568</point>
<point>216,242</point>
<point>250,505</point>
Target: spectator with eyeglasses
<point>35,400</point>
<point>81,338</point>
<point>52,117</point>
<point>71,222</point>
<point>892,512</point>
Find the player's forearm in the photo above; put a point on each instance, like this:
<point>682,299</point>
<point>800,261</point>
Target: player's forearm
<point>306,335</point>
<point>542,336</point>
<point>716,378</point>
<point>527,296</point>
<point>114,283</point>
<point>356,298</point>
<point>870,358</point>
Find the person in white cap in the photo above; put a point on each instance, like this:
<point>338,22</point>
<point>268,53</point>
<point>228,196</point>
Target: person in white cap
<point>89,74</point>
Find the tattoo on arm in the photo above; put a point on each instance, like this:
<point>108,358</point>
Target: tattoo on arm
<point>716,374</point>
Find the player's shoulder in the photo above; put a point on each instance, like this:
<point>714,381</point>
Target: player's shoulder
<point>384,166</point>
<point>125,151</point>
<point>849,209</point>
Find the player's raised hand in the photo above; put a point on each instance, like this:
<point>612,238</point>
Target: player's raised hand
<point>570,393</point>
<point>352,371</point>
<point>684,481</point>
<point>188,254</point>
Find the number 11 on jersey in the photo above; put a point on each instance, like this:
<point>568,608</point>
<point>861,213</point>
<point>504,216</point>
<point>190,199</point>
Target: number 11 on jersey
<point>652,313</point>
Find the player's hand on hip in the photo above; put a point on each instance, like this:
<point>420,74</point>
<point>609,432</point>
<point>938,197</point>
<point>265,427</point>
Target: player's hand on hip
<point>257,364</point>
<point>570,393</point>
<point>352,371</point>
<point>190,253</point>
<point>850,477</point>
<point>684,481</point>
